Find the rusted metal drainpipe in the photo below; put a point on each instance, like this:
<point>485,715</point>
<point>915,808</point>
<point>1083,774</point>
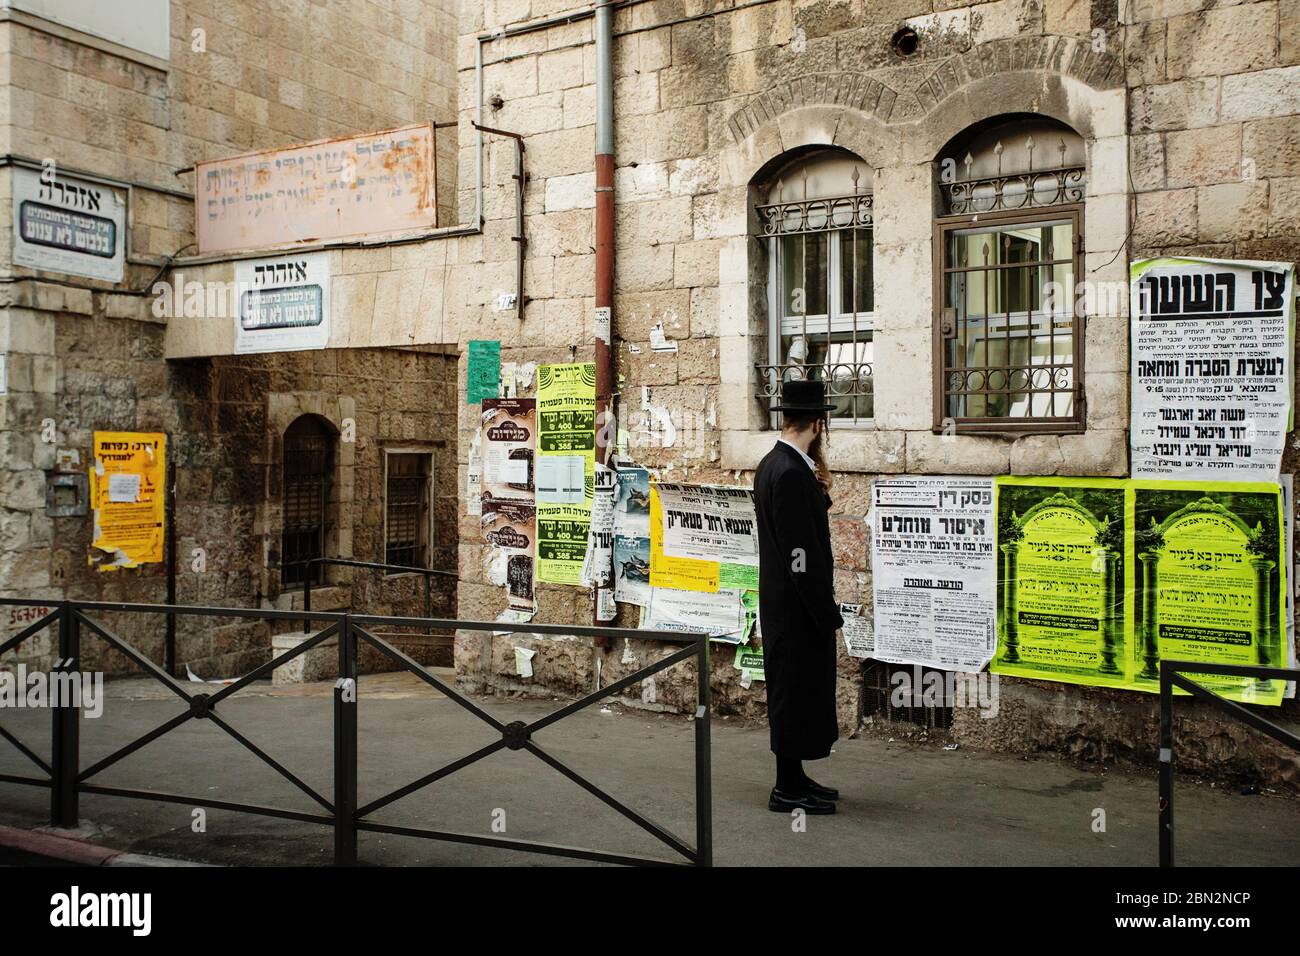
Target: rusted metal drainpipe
<point>606,428</point>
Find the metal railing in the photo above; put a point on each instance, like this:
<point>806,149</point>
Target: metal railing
<point>67,780</point>
<point>429,575</point>
<point>1173,674</point>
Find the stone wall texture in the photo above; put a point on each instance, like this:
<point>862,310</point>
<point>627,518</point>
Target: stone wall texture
<point>1189,111</point>
<point>85,355</point>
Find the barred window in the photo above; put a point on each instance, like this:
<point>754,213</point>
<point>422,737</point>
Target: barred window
<point>308,468</point>
<point>1008,338</point>
<point>817,226</point>
<point>406,514</point>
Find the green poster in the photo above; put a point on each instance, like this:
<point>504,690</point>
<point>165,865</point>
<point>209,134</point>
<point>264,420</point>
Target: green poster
<point>1100,579</point>
<point>483,378</point>
<point>1061,580</point>
<point>1210,582</point>
<point>749,661</point>
<point>566,455</point>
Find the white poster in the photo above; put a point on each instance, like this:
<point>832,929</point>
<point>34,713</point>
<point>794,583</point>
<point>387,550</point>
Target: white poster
<point>597,564</point>
<point>1211,376</point>
<point>859,635</point>
<point>561,479</point>
<point>709,523</point>
<point>718,614</point>
<point>68,224</point>
<point>284,303</point>
<point>934,571</point>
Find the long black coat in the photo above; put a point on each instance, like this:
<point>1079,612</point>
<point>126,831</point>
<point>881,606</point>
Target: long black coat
<point>797,609</point>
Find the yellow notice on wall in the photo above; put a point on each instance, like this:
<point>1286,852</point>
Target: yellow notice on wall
<point>128,474</point>
<point>685,574</point>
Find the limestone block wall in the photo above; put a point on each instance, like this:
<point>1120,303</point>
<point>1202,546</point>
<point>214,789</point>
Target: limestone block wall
<point>1170,99</point>
<point>94,361</point>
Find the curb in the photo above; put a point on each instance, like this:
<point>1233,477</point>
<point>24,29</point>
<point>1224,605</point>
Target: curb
<point>56,848</point>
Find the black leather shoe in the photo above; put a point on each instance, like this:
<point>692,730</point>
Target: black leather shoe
<point>782,802</point>
<point>822,793</point>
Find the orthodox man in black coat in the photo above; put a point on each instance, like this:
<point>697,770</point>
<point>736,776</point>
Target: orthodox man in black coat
<point>798,613</point>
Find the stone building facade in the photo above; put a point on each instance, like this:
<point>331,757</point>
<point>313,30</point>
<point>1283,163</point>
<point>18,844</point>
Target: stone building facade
<point>1184,117</point>
<point>134,102</point>
<point>1170,126</point>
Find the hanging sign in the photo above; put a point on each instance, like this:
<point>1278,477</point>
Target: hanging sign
<point>284,303</point>
<point>68,224</point>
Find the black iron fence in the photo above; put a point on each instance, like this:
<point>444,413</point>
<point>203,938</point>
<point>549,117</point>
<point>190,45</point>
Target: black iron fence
<point>1175,674</point>
<point>67,780</point>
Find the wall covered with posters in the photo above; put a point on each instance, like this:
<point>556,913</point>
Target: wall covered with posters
<point>1187,138</point>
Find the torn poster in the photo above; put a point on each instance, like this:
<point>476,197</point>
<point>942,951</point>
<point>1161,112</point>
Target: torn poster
<point>1211,375</point>
<point>934,571</point>
<point>749,661</point>
<point>509,426</point>
<point>508,526</point>
<point>859,635</point>
<point>483,371</point>
<point>599,560</point>
<point>474,476</point>
<point>127,492</point>
<point>632,570</point>
<point>719,614</point>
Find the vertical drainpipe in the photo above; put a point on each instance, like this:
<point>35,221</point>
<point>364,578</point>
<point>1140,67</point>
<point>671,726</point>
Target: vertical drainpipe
<point>606,430</point>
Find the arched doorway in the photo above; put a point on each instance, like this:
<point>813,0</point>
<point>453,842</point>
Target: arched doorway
<point>308,469</point>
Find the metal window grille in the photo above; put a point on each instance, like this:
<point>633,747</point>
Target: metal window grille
<point>1008,338</point>
<point>308,465</point>
<point>820,300</point>
<point>879,688</point>
<point>406,520</point>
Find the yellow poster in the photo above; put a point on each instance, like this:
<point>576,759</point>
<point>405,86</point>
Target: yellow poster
<point>128,474</point>
<point>684,574</point>
<point>565,468</point>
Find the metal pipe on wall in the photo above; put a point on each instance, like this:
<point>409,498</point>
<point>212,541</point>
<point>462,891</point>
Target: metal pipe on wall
<point>603,318</point>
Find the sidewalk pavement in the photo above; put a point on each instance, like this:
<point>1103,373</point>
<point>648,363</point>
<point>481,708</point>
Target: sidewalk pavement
<point>903,803</point>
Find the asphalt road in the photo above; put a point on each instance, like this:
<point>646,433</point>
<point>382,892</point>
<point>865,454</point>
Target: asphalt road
<point>903,803</point>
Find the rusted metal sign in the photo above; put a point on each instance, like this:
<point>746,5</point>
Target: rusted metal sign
<point>373,184</point>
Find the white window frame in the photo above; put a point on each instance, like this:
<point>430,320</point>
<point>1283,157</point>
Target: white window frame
<point>842,322</point>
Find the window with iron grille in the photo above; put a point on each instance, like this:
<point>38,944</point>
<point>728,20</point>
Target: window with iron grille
<point>406,514</point>
<point>1008,338</point>
<point>879,686</point>
<point>817,227</point>
<point>308,468</point>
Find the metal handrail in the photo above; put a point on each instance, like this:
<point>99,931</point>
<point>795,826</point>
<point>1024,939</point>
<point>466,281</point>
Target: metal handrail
<point>429,574</point>
<point>66,779</point>
<point>1172,674</point>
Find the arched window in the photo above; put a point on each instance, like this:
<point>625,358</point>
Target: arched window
<point>1008,341</point>
<point>308,468</point>
<point>816,221</point>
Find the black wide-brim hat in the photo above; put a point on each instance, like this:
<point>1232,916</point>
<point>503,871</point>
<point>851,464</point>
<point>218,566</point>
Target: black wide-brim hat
<point>804,395</point>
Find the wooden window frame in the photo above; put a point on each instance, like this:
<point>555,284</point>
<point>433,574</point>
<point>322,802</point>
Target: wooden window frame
<point>1008,426</point>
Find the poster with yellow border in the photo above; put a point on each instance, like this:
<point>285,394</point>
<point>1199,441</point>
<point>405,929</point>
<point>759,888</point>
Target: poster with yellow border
<point>128,476</point>
<point>1099,579</point>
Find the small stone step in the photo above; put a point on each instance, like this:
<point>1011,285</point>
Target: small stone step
<point>319,663</point>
